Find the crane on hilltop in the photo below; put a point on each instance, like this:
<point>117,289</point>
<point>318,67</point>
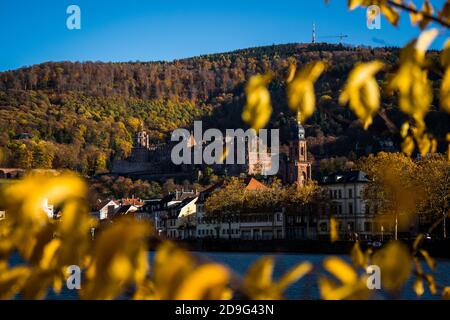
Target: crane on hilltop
<point>340,36</point>
<point>314,37</point>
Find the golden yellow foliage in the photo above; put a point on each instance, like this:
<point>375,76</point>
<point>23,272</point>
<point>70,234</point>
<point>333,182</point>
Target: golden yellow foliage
<point>429,260</point>
<point>258,109</point>
<point>359,258</point>
<point>334,233</point>
<point>415,17</point>
<point>12,281</point>
<point>389,12</point>
<point>362,92</point>
<point>349,286</point>
<point>395,263</point>
<point>47,245</point>
<point>427,9</point>
<point>300,90</point>
<point>445,84</point>
<point>446,293</point>
<point>206,281</point>
<point>119,259</point>
<point>258,283</point>
<point>411,82</point>
<point>176,275</point>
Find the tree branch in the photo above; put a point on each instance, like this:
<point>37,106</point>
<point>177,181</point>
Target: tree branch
<point>416,11</point>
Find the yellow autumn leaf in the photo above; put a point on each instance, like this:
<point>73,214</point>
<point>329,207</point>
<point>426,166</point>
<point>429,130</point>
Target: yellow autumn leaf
<point>358,257</point>
<point>446,293</point>
<point>205,282</point>
<point>334,233</point>
<point>424,143</point>
<point>411,80</point>
<point>291,73</point>
<point>258,283</point>
<point>350,287</point>
<point>12,281</point>
<point>294,274</point>
<point>415,17</point>
<point>259,274</point>
<point>424,41</point>
<point>353,4</point>
<point>418,287</point>
<point>50,250</point>
<point>171,265</point>
<point>417,241</point>
<point>428,259</point>
<point>340,269</point>
<point>119,259</point>
<point>445,11</point>
<point>391,14</point>
<point>300,91</point>
<point>362,92</point>
<point>28,206</point>
<point>445,83</point>
<point>427,8</point>
<point>395,264</point>
<point>258,109</point>
<point>404,130</point>
<point>431,283</point>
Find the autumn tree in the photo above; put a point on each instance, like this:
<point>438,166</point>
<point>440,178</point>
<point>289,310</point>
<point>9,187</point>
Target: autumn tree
<point>434,175</point>
<point>393,188</point>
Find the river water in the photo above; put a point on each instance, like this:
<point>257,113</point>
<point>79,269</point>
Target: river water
<point>307,287</point>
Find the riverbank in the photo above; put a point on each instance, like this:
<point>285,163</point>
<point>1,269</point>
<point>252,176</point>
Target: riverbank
<point>438,249</point>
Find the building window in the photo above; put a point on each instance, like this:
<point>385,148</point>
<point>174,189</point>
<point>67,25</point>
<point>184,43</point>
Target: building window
<point>367,226</point>
<point>335,194</point>
<point>340,193</point>
<point>340,209</point>
<point>350,208</point>
<point>331,194</point>
<point>350,193</point>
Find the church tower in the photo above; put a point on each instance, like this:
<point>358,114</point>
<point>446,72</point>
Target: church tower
<point>299,168</point>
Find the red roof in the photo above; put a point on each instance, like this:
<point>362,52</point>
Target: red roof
<point>132,201</point>
<point>253,184</point>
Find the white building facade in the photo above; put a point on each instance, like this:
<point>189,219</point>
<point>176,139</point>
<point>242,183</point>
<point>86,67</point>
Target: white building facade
<point>355,221</point>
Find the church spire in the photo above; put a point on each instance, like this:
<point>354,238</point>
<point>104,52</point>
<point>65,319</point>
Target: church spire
<point>300,130</point>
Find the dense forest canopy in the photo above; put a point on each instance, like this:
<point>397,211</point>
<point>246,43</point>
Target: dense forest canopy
<point>83,115</point>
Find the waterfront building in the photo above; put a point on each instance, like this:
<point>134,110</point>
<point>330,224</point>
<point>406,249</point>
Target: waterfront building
<point>161,211</point>
<point>105,209</point>
<point>239,225</point>
<point>355,218</point>
<point>181,219</point>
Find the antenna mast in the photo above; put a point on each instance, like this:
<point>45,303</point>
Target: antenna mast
<point>314,33</point>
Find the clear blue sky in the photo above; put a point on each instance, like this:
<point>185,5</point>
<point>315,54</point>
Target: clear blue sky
<point>34,31</point>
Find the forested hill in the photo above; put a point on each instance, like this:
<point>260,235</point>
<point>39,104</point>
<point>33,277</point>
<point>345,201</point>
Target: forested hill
<point>83,115</point>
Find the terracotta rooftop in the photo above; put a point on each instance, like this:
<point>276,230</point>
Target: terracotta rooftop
<point>132,201</point>
<point>253,184</point>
